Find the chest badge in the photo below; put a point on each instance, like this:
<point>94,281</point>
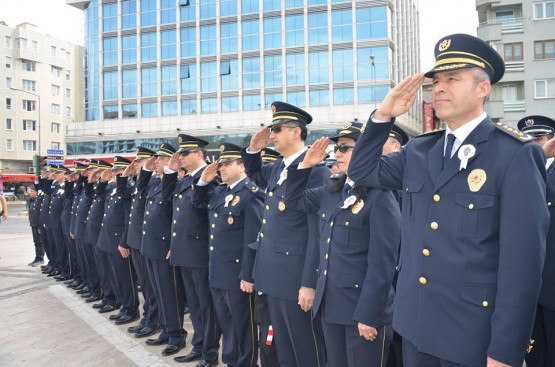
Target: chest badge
<point>236,200</point>
<point>281,206</point>
<point>230,220</point>
<point>476,179</point>
<point>357,207</point>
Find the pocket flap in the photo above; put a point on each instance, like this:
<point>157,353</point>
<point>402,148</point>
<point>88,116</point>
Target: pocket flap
<point>410,185</point>
<point>481,295</point>
<point>474,201</point>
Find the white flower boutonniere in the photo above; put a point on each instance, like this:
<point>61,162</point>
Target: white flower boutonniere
<point>466,152</point>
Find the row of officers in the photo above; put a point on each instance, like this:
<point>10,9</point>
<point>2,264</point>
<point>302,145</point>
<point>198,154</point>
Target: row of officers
<point>319,255</point>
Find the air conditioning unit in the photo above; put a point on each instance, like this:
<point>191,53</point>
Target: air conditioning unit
<point>31,169</point>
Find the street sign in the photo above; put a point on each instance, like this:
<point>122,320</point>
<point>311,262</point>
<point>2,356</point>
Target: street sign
<point>55,157</point>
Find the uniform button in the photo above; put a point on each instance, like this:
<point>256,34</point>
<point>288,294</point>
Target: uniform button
<point>549,203</point>
<point>131,207</point>
<point>102,224</point>
<point>211,248</point>
<point>270,194</point>
<point>437,198</point>
<point>423,280</point>
<point>331,224</point>
<point>485,304</point>
<point>407,189</point>
<point>144,232</point>
<point>147,213</point>
<point>264,221</point>
<point>325,272</point>
<point>211,236</point>
<point>347,224</point>
<point>215,215</point>
<point>287,253</point>
<point>181,196</point>
<point>326,256</point>
<point>104,214</point>
<point>115,234</point>
<point>144,222</point>
<point>267,207</point>
<point>129,222</point>
<point>426,252</point>
<point>174,234</point>
<point>174,221</point>
<point>213,225</point>
<point>150,202</point>
<point>434,225</point>
<point>329,240</point>
<point>470,206</point>
<point>130,215</point>
<point>356,285</point>
<point>163,238</point>
<point>177,209</point>
<point>261,235</point>
<point>324,215</point>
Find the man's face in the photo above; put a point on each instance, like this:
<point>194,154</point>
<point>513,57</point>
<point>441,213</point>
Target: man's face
<point>541,140</point>
<point>161,162</point>
<point>231,171</point>
<point>390,146</point>
<point>140,163</point>
<point>284,135</point>
<point>457,97</point>
<point>189,159</point>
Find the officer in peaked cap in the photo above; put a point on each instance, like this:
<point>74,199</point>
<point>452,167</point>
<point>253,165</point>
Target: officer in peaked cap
<point>542,353</point>
<point>144,153</point>
<point>472,245</point>
<point>397,139</point>
<point>269,155</point>
<point>55,234</point>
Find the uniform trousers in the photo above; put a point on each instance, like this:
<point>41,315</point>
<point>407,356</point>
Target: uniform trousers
<point>413,358</point>
<point>170,295</point>
<point>75,269</point>
<point>543,334</point>
<point>125,283</point>
<point>46,244</point>
<point>268,353</point>
<point>80,255</point>
<point>106,279</point>
<point>203,315</point>
<point>346,348</point>
<point>60,251</point>
<point>150,305</point>
<point>39,246</point>
<point>299,339</point>
<point>234,310</point>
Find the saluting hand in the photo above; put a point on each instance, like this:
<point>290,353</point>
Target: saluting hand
<point>260,140</point>
<point>316,153</point>
<point>493,363</point>
<point>306,298</point>
<point>549,148</point>
<point>130,170</point>
<point>367,332</point>
<point>209,173</point>
<point>175,163</point>
<point>400,99</point>
<point>92,176</point>
<point>106,175</point>
<point>150,164</point>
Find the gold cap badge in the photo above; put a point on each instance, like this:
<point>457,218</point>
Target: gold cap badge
<point>444,45</point>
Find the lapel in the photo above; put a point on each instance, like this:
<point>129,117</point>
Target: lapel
<point>478,136</point>
<point>275,176</point>
<point>157,188</point>
<point>234,191</point>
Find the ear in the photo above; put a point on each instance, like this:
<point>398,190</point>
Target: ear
<point>484,88</point>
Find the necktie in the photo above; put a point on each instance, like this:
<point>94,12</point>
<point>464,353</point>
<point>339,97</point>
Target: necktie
<point>448,149</point>
<point>280,169</point>
<point>345,192</point>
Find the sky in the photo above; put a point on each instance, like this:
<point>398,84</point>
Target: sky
<point>437,19</point>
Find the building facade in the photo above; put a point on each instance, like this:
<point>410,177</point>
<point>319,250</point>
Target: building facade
<point>522,32</point>
<point>212,68</point>
<point>42,92</point>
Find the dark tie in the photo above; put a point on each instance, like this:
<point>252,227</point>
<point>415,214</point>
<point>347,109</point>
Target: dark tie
<point>345,192</point>
<point>280,169</point>
<point>448,149</point>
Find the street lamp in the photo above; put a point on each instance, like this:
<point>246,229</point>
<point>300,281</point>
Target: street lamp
<point>374,79</point>
<point>38,110</point>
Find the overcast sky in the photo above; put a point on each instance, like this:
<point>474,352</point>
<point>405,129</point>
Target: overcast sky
<point>55,17</point>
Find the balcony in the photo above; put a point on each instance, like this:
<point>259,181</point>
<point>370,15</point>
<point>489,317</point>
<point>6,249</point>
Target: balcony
<point>495,109</point>
<point>490,32</point>
<point>514,106</point>
<point>514,25</point>
<point>512,66</point>
<point>486,2</point>
<point>79,4</point>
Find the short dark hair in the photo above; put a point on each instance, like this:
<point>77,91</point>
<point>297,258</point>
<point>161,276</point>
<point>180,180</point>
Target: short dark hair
<point>202,150</point>
<point>304,132</point>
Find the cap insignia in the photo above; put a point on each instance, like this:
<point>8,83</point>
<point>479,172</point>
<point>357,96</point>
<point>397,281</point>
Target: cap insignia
<point>444,45</point>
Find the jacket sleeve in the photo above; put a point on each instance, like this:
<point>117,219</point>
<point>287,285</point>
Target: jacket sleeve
<point>168,185</point>
<point>100,188</point>
<point>258,173</point>
<point>201,196</point>
<point>123,188</point>
<point>297,196</point>
<point>142,182</point>
<point>253,222</point>
<point>126,212</point>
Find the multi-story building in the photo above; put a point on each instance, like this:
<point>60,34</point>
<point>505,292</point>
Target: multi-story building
<point>42,91</point>
<point>213,67</point>
<point>522,32</point>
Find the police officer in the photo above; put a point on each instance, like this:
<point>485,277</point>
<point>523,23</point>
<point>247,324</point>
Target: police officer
<point>287,256</point>
<point>542,352</point>
<point>235,213</point>
<point>149,323</point>
<point>69,194</point>
<point>45,186</point>
<point>189,249</point>
<point>269,156</point>
<point>472,245</point>
<point>55,233</point>
<point>34,214</point>
<point>156,246</point>
<point>359,240</point>
<point>80,166</point>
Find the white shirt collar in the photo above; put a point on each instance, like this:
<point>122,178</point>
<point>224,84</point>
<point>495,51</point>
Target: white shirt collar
<point>236,183</point>
<point>548,162</point>
<point>287,161</point>
<point>350,182</point>
<point>198,169</point>
<point>463,132</point>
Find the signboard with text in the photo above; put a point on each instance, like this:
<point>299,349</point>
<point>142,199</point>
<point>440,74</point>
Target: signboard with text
<point>55,156</point>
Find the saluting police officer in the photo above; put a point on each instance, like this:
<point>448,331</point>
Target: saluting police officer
<point>149,323</point>
<point>80,166</point>
<point>287,257</point>
<point>55,233</point>
<point>74,270</point>
<point>542,352</point>
<point>45,188</point>
<point>473,246</point>
<point>235,213</point>
<point>189,249</point>
<point>34,214</point>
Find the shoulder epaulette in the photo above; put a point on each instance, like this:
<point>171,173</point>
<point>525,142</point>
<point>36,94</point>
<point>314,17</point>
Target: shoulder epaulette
<point>511,131</point>
<point>251,186</point>
<point>336,176</point>
<point>431,132</point>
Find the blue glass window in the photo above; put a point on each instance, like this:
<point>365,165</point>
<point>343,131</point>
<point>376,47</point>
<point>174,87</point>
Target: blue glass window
<point>371,22</point>
<point>230,104</point>
<point>251,35</point>
<point>317,28</point>
<point>249,6</point>
<point>128,14</point>
<point>208,77</point>
<point>272,5</point>
<point>368,94</point>
<point>319,97</point>
<point>342,25</point>
<point>297,99</point>
<point>129,111</point>
<point>148,47</point>
<point>168,13</point>
<point>129,49</point>
<point>343,96</point>
<point>209,105</point>
<point>343,67</point>
<point>228,7</point>
<point>168,48</point>
<point>317,2</point>
<point>229,72</point>
<point>110,112</point>
<point>270,98</point>
<point>251,73</point>
<point>295,69</point>
<point>273,74</point>
<point>149,109</point>
<point>188,12</point>
<point>272,33</point>
<point>318,67</point>
<point>148,13</point>
<point>294,4</point>
<point>110,90</point>
<point>188,77</point>
<point>364,64</point>
<point>169,81</point>
<point>208,40</point>
<point>251,103</point>
<point>129,83</point>
<point>294,30</point>
<point>228,37</point>
<point>169,108</point>
<point>110,17</point>
<point>110,47</point>
<point>188,42</point>
<point>148,82</point>
<point>189,107</point>
<point>207,9</point>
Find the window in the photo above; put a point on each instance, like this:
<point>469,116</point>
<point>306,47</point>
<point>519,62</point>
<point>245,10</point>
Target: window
<point>294,30</point>
<point>168,48</point>
<point>343,67</point>
<point>228,37</point>
<point>110,51</point>
<point>29,125</point>
<point>9,125</point>
<point>188,76</point>
<point>187,8</point>
<point>149,109</point>
<point>68,75</point>
<point>110,88</point>
<point>544,49</point>
<point>505,17</point>
<point>272,33</point>
<point>319,97</point>
<point>22,43</point>
<point>343,96</point>
<point>251,103</point>
<point>169,82</point>
<point>317,28</point>
<point>169,108</point>
<point>228,7</point>
<point>188,42</point>
<point>368,94</point>
<point>208,77</point>
<point>318,67</point>
<point>207,9</point>
<point>371,22</point>
<point>29,145</point>
<point>230,104</point>
<point>8,82</point>
<point>544,10</point>
<point>110,112</point>
<point>110,17</point>
<point>9,144</point>
<point>269,98</point>
<point>380,70</point>
<point>229,72</point>
<point>55,128</point>
<point>251,35</point>
<point>249,6</point>
<point>544,88</point>
<point>209,105</point>
<point>55,90</point>
<point>273,75</point>
<point>148,82</point>
<point>28,85</point>
<point>129,49</point>
<point>68,56</point>
<point>189,107</point>
<point>68,93</point>
<point>55,109</point>
<point>167,13</point>
<point>317,2</point>
<point>148,13</point>
<point>55,145</point>
<point>129,83</point>
<point>55,71</point>
<point>208,40</point>
<point>68,111</point>
<point>297,98</point>
<point>251,73</point>
<point>342,25</point>
<point>8,62</point>
<point>148,47</point>
<point>128,14</point>
<point>7,41</point>
<point>35,46</point>
<point>295,69</point>
<point>129,110</point>
<point>28,65</point>
<point>53,51</point>
<point>512,51</point>
<point>273,4</point>
<point>8,103</point>
<point>29,105</point>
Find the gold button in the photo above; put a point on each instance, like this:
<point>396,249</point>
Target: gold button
<point>326,272</point>
<point>215,215</point>
<point>211,248</point>
<point>261,235</point>
<point>287,253</point>
<point>485,304</point>
<point>356,285</point>
<point>331,224</point>
<point>437,198</point>
<point>264,221</point>
<point>326,256</point>
<point>213,225</point>
<point>470,206</point>
<point>174,221</point>
<point>236,260</point>
<point>329,240</point>
<point>549,203</point>
<point>181,196</point>
<point>177,209</point>
<point>211,236</point>
<point>426,252</point>
<point>270,194</point>
<point>434,225</point>
<point>174,234</point>
<point>423,280</point>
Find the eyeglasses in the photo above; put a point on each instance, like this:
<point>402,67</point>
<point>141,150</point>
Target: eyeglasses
<point>343,148</point>
<point>276,129</point>
<point>186,153</point>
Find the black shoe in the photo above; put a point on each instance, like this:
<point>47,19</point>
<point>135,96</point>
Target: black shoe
<point>134,329</point>
<point>126,319</point>
<point>84,290</point>
<point>74,285</point>
<point>99,305</point>
<point>53,273</point>
<point>79,287</point>
<point>109,308</point>
<point>43,267</point>
<point>32,262</point>
<point>146,331</point>
<point>189,357</point>
<point>116,316</point>
<point>37,263</point>
<point>93,298</point>
<point>172,349</point>
<point>205,363</point>
<point>69,281</point>
<point>156,341</point>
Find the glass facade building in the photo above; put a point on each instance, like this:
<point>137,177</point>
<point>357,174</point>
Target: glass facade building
<point>213,67</point>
